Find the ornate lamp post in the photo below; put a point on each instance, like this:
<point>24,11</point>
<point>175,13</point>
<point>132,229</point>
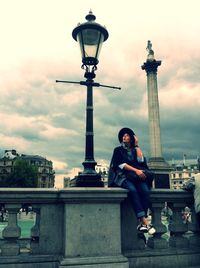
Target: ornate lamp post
<point>90,36</point>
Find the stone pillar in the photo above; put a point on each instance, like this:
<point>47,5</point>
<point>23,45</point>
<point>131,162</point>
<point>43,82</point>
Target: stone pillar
<point>92,231</point>
<point>35,232</point>
<point>11,232</point>
<point>177,228</point>
<point>157,241</point>
<point>156,161</point>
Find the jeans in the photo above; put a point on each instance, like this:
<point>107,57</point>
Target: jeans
<point>139,193</point>
<point>131,176</point>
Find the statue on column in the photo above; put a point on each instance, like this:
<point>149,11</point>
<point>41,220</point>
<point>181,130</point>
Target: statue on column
<point>150,55</point>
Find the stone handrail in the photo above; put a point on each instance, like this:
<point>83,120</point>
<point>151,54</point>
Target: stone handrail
<point>88,227</point>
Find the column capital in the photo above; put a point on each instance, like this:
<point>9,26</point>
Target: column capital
<point>151,66</point>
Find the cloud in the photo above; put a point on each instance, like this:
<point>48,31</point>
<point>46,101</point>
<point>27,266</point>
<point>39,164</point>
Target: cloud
<point>39,116</point>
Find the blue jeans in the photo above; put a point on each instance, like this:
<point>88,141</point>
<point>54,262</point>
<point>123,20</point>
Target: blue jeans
<point>139,193</point>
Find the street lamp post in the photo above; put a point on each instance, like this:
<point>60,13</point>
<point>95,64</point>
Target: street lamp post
<point>90,36</point>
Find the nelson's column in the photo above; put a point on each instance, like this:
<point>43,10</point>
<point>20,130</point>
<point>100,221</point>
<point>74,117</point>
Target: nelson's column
<point>156,160</point>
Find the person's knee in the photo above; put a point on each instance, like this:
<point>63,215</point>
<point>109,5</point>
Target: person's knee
<point>129,186</point>
<point>132,188</point>
<point>145,190</point>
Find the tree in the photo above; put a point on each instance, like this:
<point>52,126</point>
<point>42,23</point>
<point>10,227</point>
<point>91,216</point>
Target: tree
<point>23,175</point>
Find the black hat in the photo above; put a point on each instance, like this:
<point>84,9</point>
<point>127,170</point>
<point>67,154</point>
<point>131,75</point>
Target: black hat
<point>123,131</point>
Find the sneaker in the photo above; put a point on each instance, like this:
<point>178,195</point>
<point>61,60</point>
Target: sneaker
<point>151,229</point>
<point>146,229</point>
<point>142,228</point>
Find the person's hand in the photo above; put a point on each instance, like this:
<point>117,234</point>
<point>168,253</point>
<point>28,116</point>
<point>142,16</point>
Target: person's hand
<point>136,140</point>
<point>140,174</point>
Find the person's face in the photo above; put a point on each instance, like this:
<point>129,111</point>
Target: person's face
<point>126,138</point>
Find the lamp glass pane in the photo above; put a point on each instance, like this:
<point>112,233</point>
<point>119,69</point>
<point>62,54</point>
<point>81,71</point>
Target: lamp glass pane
<point>90,41</point>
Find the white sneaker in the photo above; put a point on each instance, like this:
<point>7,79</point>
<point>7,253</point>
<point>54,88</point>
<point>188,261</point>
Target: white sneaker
<point>146,229</point>
<point>151,229</point>
<point>142,228</point>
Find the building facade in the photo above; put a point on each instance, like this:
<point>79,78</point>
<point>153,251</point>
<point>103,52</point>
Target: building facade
<point>46,174</point>
<point>182,172</point>
<point>66,182</point>
<point>102,168</point>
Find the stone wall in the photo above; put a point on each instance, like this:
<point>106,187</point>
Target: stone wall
<point>96,227</point>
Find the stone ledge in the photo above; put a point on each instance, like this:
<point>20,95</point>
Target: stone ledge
<point>164,258</point>
<point>28,258</point>
<point>76,195</point>
<point>118,261</point>
<point>147,252</point>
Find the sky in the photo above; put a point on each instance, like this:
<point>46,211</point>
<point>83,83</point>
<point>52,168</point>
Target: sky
<point>41,117</point>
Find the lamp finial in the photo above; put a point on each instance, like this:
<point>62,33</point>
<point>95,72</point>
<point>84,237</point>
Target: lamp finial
<point>90,16</point>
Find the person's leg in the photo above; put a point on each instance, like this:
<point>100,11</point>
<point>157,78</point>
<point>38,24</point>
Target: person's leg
<point>138,207</point>
<point>131,176</point>
<point>144,193</point>
<point>135,198</point>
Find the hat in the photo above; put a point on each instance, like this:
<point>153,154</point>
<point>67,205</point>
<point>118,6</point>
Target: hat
<point>123,131</point>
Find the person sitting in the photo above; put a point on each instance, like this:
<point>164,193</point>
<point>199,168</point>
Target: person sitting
<point>129,170</point>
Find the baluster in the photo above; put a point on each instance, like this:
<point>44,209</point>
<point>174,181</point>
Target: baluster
<point>35,232</point>
<point>194,239</point>
<point>11,232</point>
<point>157,241</point>
<point>177,227</point>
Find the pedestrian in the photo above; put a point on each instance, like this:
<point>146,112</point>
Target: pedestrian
<point>129,170</point>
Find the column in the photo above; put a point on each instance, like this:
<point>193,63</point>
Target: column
<point>156,161</point>
<point>150,66</point>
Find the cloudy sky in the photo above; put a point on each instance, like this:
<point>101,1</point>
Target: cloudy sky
<point>38,116</point>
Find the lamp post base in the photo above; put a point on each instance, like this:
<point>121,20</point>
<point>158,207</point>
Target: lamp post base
<point>87,180</point>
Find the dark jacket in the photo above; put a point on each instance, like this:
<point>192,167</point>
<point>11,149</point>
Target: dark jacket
<point>116,175</point>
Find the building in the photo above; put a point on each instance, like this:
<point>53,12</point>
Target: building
<point>46,174</point>
<point>102,168</point>
<point>182,172</point>
<point>66,182</point>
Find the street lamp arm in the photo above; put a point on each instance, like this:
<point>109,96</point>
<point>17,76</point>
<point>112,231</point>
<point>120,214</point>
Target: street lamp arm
<point>69,82</point>
<point>110,86</point>
<point>86,83</point>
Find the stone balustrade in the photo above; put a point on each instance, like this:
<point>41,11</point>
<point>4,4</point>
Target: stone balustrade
<point>96,227</point>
